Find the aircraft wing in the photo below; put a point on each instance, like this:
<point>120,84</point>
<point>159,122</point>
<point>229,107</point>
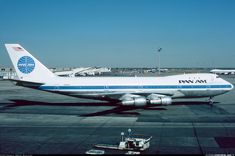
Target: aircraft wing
<point>119,95</point>
<point>139,98</point>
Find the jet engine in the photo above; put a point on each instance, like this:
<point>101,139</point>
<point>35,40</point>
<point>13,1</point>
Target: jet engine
<point>155,99</point>
<point>159,100</point>
<point>134,101</point>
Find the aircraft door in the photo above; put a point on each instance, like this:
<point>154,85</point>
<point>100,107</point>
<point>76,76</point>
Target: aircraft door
<point>106,88</point>
<point>212,78</point>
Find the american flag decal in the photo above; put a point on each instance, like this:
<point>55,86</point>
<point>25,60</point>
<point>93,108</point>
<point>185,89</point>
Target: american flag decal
<point>17,48</point>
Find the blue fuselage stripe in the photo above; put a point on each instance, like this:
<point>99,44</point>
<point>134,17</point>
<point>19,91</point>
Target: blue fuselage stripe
<point>135,87</point>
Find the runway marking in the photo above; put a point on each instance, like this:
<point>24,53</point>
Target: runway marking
<point>195,134</point>
<point>107,126</point>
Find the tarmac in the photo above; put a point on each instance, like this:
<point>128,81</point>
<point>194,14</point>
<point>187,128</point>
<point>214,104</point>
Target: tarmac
<point>36,122</point>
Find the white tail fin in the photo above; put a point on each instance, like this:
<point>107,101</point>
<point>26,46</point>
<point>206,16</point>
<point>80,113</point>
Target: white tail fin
<point>27,67</point>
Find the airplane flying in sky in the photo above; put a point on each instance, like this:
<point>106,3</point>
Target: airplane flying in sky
<point>130,91</point>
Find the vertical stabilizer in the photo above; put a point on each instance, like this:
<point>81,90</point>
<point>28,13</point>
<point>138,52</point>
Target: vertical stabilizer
<point>27,67</point>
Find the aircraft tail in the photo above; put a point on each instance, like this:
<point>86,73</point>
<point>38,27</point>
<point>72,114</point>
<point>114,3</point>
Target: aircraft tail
<point>27,67</point>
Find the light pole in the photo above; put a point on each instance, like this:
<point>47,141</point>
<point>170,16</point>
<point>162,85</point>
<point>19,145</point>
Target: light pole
<point>159,60</point>
<point>122,135</point>
<point>129,131</point>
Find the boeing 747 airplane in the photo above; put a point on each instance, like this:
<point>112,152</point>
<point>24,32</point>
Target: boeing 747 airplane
<point>129,91</point>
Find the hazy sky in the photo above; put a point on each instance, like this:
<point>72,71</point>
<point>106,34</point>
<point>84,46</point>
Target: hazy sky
<point>121,33</point>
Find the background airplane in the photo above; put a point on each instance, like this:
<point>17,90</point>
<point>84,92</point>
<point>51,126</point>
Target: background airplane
<point>87,71</point>
<point>223,71</point>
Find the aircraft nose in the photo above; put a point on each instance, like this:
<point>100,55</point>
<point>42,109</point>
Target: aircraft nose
<point>231,85</point>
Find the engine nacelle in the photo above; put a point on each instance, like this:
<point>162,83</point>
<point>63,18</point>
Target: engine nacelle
<point>166,100</point>
<point>135,101</point>
<point>156,100</point>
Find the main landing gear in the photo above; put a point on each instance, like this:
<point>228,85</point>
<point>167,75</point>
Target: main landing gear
<point>211,101</point>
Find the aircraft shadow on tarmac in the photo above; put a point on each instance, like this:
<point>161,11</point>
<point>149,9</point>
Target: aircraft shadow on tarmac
<point>192,103</point>
<point>122,110</point>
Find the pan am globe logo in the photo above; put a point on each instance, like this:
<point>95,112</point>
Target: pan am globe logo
<point>26,64</point>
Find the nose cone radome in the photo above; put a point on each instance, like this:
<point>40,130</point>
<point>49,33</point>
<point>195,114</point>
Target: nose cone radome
<point>231,86</point>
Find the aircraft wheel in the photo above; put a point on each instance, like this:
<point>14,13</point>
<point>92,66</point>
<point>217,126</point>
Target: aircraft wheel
<point>211,101</point>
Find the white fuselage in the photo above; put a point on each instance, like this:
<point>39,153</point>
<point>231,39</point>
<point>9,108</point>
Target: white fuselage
<point>178,86</point>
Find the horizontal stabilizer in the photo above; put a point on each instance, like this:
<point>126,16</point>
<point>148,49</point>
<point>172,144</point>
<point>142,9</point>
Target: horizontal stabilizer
<point>27,83</point>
